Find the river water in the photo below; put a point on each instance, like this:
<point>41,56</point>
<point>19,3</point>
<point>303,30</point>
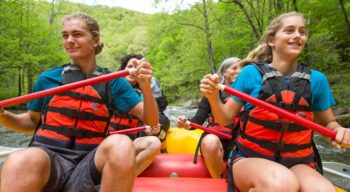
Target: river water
<point>327,152</point>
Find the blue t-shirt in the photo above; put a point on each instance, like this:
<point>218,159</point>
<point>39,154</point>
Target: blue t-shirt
<point>124,96</point>
<point>249,81</point>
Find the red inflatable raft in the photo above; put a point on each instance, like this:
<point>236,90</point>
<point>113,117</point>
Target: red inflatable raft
<point>177,172</point>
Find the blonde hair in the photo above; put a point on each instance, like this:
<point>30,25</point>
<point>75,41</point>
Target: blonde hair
<point>91,24</point>
<point>263,53</point>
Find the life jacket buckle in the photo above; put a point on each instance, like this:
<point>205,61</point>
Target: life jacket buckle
<point>280,104</point>
<point>285,126</point>
<point>73,132</point>
<point>277,146</point>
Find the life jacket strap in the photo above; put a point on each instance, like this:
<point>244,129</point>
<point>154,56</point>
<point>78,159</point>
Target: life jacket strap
<point>278,126</point>
<point>72,132</point>
<point>81,96</point>
<point>77,114</point>
<point>291,106</point>
<point>276,145</point>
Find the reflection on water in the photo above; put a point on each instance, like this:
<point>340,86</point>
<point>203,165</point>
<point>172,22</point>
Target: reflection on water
<point>327,152</point>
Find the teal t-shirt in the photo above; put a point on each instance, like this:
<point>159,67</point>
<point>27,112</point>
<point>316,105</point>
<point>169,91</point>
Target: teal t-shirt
<point>123,95</point>
<point>249,81</point>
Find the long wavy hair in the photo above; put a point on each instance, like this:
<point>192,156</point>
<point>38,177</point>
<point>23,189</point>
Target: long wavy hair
<point>263,53</point>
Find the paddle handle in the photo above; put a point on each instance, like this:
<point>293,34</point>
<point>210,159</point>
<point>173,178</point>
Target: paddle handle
<point>125,131</point>
<point>218,133</point>
<point>281,112</point>
<point>63,88</point>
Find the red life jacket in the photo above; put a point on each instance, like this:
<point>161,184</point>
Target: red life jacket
<point>228,129</point>
<point>76,119</point>
<point>266,134</point>
<point>121,121</point>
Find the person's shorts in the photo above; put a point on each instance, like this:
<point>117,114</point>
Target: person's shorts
<point>71,171</point>
<point>227,145</point>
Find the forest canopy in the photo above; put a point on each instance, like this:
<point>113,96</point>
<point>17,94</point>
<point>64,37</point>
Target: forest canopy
<point>182,46</point>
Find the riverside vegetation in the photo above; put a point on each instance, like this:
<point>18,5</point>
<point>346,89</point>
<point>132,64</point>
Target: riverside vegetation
<point>182,45</point>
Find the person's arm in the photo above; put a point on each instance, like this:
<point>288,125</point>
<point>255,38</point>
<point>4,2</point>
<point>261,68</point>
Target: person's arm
<point>322,101</point>
<point>146,111</point>
<point>201,115</point>
<point>202,112</point>
<point>25,122</point>
<point>326,118</point>
<point>223,113</point>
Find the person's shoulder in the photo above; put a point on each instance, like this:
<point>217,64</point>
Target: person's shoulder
<point>119,82</point>
<point>316,72</point>
<point>154,83</point>
<point>51,73</point>
<point>317,75</point>
<point>154,79</point>
<point>249,68</point>
<point>53,70</point>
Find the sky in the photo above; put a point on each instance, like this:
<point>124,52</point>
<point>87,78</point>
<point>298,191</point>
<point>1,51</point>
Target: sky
<point>145,6</point>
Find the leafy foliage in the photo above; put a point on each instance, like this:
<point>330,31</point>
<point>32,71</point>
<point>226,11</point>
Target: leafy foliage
<point>175,43</point>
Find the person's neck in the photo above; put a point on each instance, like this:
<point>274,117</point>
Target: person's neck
<point>285,67</point>
<point>87,66</point>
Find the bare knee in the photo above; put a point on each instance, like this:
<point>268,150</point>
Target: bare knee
<point>153,143</point>
<point>117,150</point>
<point>323,187</point>
<point>28,159</point>
<point>278,180</point>
<point>210,144</point>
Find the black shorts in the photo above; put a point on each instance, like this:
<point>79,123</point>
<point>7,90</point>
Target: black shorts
<point>71,170</point>
<point>227,145</point>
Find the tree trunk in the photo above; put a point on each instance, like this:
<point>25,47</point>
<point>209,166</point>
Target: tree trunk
<point>52,12</point>
<point>208,37</point>
<point>295,6</point>
<point>250,21</point>
<point>341,2</point>
<point>19,86</point>
<point>29,78</point>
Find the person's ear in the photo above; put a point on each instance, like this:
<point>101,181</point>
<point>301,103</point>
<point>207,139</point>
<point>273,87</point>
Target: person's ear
<point>270,42</point>
<point>96,41</point>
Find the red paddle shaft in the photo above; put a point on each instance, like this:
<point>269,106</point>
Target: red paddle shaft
<point>299,120</point>
<point>125,131</point>
<point>60,89</point>
<point>218,133</point>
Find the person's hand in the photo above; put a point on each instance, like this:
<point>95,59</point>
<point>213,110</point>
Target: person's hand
<point>152,130</point>
<point>209,86</point>
<point>143,73</point>
<point>342,138</point>
<point>181,122</point>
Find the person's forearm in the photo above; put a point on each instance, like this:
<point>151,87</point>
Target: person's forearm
<point>219,112</point>
<point>202,113</point>
<point>18,122</point>
<point>150,108</point>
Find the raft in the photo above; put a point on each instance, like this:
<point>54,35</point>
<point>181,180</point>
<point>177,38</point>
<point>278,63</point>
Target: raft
<point>176,171</point>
